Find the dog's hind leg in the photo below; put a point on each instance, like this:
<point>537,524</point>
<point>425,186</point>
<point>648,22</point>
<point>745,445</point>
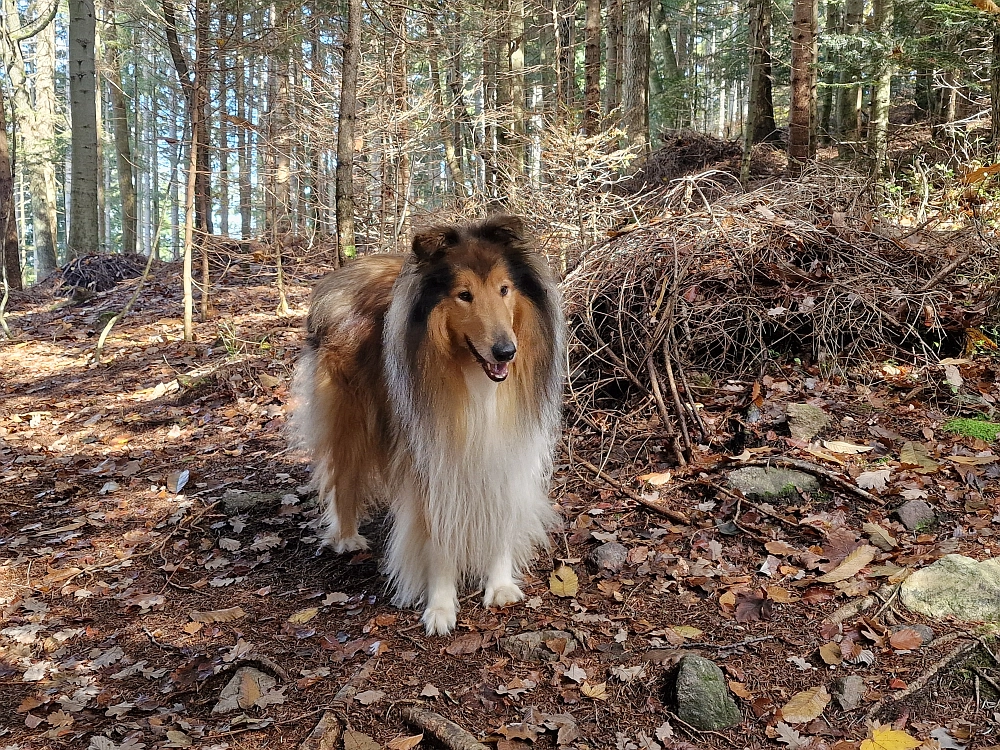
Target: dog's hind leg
<point>341,508</point>
<point>501,588</point>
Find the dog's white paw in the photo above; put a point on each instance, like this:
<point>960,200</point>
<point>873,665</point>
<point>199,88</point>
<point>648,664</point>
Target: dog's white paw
<point>502,594</point>
<point>439,620</point>
<point>354,543</point>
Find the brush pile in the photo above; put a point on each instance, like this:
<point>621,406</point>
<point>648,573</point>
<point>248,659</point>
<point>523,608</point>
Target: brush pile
<point>99,273</point>
<point>721,283</point>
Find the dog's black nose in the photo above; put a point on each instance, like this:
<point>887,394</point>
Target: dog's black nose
<point>504,351</point>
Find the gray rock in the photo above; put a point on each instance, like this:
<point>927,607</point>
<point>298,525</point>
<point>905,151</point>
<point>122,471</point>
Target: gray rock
<point>916,514</point>
<point>531,646</point>
<point>926,634</point>
<point>702,697</point>
<point>806,421</point>
<point>768,482</point>
<point>236,501</point>
<point>610,557</point>
<point>848,691</point>
<point>955,586</point>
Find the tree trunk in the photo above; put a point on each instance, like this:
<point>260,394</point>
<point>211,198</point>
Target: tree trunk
<point>565,11</point>
<point>401,98</point>
<point>826,127</point>
<point>10,257</point>
<point>800,127</point>
<point>995,89</point>
<point>316,71</point>
<point>491,54</point>
<point>878,134</point>
<point>196,97</point>
<point>516,67</point>
<point>242,146</point>
<point>849,101</point>
<point>346,243</point>
<point>592,68</point>
<point>223,133</point>
<point>451,159</point>
<point>83,236</point>
<point>123,146</point>
<point>635,74</point>
<point>36,122</point>
<point>612,86</point>
<point>760,126</point>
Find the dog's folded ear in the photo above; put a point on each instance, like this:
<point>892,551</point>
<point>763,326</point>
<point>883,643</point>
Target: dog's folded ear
<point>431,244</point>
<point>503,228</point>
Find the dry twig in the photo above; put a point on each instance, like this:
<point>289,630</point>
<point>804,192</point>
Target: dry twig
<point>447,732</point>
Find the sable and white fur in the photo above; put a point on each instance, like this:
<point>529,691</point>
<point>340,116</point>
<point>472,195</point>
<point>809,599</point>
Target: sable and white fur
<point>397,399</point>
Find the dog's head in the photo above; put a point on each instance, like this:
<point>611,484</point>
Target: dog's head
<point>472,282</point>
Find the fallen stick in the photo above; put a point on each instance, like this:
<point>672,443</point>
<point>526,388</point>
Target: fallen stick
<point>956,653</point>
<point>330,727</point>
<point>325,734</point>
<point>447,732</point>
<point>811,468</point>
<point>673,515</point>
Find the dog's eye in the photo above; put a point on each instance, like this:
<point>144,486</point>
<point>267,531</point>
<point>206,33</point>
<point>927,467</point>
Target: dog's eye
<point>465,296</point>
<point>504,290</point>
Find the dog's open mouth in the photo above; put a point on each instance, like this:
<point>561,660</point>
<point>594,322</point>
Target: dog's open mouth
<point>495,372</point>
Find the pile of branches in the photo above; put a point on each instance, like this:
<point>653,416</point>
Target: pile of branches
<point>685,152</point>
<point>99,273</point>
<point>712,288</point>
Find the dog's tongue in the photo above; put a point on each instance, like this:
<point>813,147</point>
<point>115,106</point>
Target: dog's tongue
<point>497,371</point>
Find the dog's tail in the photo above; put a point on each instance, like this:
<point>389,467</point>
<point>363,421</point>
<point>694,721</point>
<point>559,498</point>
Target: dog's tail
<point>301,429</point>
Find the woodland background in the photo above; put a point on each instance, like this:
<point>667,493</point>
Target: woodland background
<point>358,119</point>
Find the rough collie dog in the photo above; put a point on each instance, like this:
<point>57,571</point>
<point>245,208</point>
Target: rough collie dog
<point>433,382</point>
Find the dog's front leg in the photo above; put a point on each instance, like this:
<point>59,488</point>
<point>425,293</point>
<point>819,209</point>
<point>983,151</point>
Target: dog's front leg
<point>501,588</point>
<point>441,599</point>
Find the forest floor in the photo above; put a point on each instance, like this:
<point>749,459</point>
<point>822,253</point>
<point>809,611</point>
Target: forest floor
<point>134,581</point>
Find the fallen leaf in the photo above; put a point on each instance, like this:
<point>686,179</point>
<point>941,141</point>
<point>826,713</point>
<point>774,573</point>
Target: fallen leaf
<point>465,644</point>
<point>829,652</point>
<point>873,480</point>
<point>664,732</point>
<point>847,449</point>
<point>576,673</point>
<point>906,639</point>
<point>405,743</point>
<point>369,696</point>
<point>357,741</point>
<point>598,692</point>
<point>805,706</point>
<point>853,563</point>
<point>656,478</point>
<point>218,615</point>
<point>627,674</point>
<point>752,606</point>
<point>914,456</point>
<point>739,689</point>
<point>519,730</point>
<point>791,737</point>
<point>879,536</point>
<point>952,376</point>
<point>887,738</point>
<point>430,691</point>
<point>780,548</point>
<point>564,582</point>
<point>303,616</point>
